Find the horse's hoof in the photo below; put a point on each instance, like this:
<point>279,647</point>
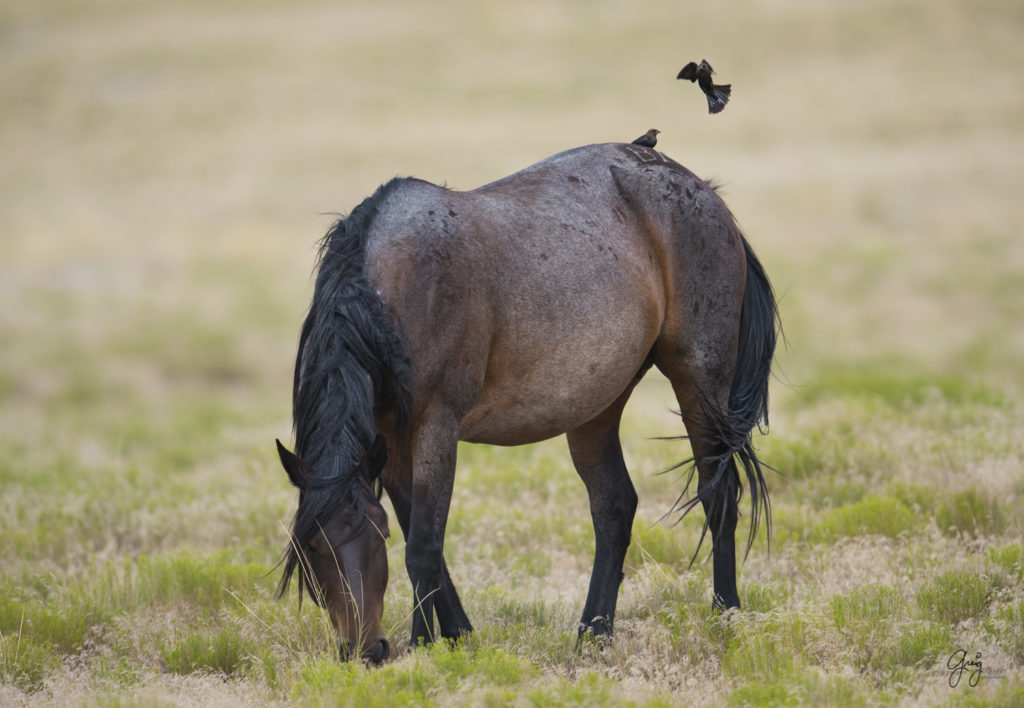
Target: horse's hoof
<point>597,634</point>
<point>719,605</point>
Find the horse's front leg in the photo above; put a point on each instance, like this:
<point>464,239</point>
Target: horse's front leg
<point>434,451</point>
<point>450,616</point>
<point>597,455</point>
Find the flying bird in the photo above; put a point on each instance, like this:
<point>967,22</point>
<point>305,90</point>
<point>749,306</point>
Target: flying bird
<point>718,96</point>
<point>648,139</point>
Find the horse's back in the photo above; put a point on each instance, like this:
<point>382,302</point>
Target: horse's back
<point>530,303</point>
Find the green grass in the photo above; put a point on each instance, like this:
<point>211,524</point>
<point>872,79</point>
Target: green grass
<point>970,513</point>
<point>223,652</point>
<point>955,596</point>
<point>806,687</point>
<point>884,516</point>
<point>479,675</point>
<point>1006,624</point>
<point>167,171</point>
<point>880,636</point>
<point>1010,558</point>
<point>26,662</point>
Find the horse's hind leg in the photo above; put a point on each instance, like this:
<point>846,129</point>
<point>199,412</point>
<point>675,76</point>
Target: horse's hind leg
<point>701,392</point>
<point>697,352</point>
<point>597,455</point>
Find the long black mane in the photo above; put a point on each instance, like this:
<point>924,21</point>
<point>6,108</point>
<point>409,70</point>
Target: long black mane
<point>350,365</point>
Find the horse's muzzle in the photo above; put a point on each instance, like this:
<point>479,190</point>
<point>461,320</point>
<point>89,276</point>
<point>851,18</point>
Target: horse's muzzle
<point>375,654</point>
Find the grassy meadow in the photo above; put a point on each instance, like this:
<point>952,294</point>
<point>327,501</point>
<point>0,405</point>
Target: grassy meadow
<point>166,169</point>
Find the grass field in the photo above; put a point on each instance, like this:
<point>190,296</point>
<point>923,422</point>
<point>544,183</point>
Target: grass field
<point>166,171</point>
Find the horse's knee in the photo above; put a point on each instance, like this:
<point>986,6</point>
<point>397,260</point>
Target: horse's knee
<point>629,500</point>
<point>624,507</point>
<point>722,507</point>
<point>424,568</point>
<point>719,495</point>
<point>613,517</point>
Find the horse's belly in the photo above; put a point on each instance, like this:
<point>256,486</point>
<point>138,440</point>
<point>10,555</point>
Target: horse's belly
<point>527,416</point>
<point>560,393</point>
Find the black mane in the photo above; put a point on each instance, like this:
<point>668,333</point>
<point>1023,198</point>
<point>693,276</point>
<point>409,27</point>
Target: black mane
<point>350,365</point>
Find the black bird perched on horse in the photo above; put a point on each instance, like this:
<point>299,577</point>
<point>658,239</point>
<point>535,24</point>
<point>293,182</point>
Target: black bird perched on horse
<point>718,95</point>
<point>648,139</point>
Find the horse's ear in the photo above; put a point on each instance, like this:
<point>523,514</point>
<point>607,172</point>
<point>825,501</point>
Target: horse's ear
<point>377,457</point>
<point>292,465</point>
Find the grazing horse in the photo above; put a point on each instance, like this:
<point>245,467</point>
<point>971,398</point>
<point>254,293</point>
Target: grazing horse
<point>509,314</point>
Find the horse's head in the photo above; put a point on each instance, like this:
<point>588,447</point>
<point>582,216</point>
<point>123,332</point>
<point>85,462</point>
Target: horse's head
<point>338,544</point>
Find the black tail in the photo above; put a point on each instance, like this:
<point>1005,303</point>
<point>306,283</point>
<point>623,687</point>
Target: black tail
<point>748,396</point>
<point>730,432</point>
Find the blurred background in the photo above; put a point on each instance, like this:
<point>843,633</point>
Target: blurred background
<point>166,165</point>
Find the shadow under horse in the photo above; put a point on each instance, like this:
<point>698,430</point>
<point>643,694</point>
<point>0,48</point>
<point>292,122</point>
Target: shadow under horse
<point>508,314</point>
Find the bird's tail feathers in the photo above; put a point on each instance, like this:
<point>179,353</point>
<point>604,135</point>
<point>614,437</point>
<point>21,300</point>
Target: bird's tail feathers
<point>718,97</point>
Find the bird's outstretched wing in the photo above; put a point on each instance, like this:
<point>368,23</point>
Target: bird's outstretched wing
<point>688,72</point>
